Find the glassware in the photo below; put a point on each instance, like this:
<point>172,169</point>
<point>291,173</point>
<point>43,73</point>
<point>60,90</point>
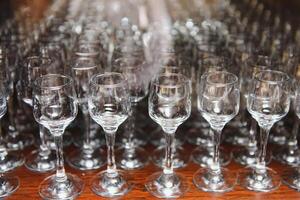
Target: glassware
<point>43,159</point>
<point>55,107</point>
<point>268,101</point>
<point>291,177</point>
<point>87,157</point>
<point>131,156</point>
<point>169,106</point>
<point>218,102</point>
<point>109,106</point>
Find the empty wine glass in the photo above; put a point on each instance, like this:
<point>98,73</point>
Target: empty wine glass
<point>169,106</point>
<point>131,156</point>
<point>109,106</point>
<point>8,161</point>
<point>55,107</point>
<point>87,157</point>
<point>268,101</point>
<point>218,102</point>
<point>291,177</point>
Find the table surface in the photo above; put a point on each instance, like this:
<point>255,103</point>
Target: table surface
<point>30,181</point>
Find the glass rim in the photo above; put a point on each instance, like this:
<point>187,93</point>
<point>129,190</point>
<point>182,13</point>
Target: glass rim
<point>208,74</point>
<point>284,75</point>
<point>96,76</point>
<point>58,87</point>
<point>185,80</point>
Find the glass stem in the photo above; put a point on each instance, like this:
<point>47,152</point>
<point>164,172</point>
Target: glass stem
<point>11,118</point>
<point>44,150</point>
<point>215,167</point>
<point>3,150</point>
<point>60,169</point>
<point>86,142</point>
<point>261,163</point>
<point>252,134</point>
<point>130,129</point>
<point>292,140</point>
<point>111,163</point>
<point>168,164</point>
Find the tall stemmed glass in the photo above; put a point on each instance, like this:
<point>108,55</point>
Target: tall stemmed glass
<point>268,102</point>
<point>109,106</point>
<point>55,107</point>
<point>43,159</point>
<point>87,157</point>
<point>131,156</point>
<point>291,177</point>
<point>169,106</point>
<point>8,161</point>
<point>218,102</point>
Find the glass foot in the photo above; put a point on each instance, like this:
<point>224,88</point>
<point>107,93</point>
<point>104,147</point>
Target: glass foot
<point>11,161</point>
<point>37,163</point>
<point>206,180</point>
<point>86,161</point>
<point>204,157</point>
<point>69,189</point>
<point>248,157</point>
<point>291,178</point>
<point>20,142</point>
<point>262,182</point>
<point>132,159</point>
<point>180,157</point>
<point>288,156</point>
<point>111,185</point>
<point>8,185</point>
<point>167,185</point>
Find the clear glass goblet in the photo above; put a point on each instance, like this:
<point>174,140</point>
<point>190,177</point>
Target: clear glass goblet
<point>169,106</point>
<point>55,107</point>
<point>218,102</point>
<point>109,106</point>
<point>268,101</point>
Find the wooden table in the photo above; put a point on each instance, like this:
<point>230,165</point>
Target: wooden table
<point>30,181</point>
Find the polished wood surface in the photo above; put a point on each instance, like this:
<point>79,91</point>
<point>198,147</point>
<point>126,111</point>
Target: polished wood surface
<point>29,183</point>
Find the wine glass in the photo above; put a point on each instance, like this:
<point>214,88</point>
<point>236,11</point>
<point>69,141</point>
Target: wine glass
<point>55,107</point>
<point>291,177</point>
<point>169,106</point>
<point>130,156</point>
<point>43,159</point>
<point>218,102</point>
<point>268,101</point>
<point>109,106</point>
<point>8,161</point>
<point>87,157</point>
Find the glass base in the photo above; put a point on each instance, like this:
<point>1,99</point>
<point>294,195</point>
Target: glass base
<point>136,158</point>
<point>224,181</point>
<point>20,142</point>
<point>8,185</point>
<point>111,185</point>
<point>248,157</point>
<point>167,185</point>
<point>180,157</point>
<point>263,182</point>
<point>200,137</point>
<point>69,189</point>
<point>204,157</point>
<point>288,156</point>
<point>11,161</point>
<point>157,138</point>
<point>96,139</point>
<point>291,178</point>
<point>86,161</point>
<point>37,163</point>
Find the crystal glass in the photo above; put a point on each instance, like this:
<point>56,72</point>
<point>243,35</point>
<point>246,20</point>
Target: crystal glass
<point>8,161</point>
<point>43,159</point>
<point>291,177</point>
<point>218,102</point>
<point>55,107</point>
<point>87,157</point>
<point>131,156</point>
<point>169,106</point>
<point>109,106</point>
<point>268,101</point>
